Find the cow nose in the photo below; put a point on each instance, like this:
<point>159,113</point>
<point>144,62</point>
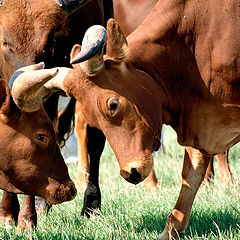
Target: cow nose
<point>73,191</point>
<point>135,177</point>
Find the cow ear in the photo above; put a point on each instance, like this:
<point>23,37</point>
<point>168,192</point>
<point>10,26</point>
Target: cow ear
<point>117,46</point>
<point>76,49</point>
<point>7,106</point>
<point>3,92</point>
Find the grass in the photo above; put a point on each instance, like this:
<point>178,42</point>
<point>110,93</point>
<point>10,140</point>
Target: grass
<point>129,213</point>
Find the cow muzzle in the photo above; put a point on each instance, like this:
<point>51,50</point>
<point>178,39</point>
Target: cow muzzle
<point>61,193</point>
<point>138,169</point>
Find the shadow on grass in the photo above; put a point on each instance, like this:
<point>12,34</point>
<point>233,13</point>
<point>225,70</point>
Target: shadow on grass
<point>202,223</point>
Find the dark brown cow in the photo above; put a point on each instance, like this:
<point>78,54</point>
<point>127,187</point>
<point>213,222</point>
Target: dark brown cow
<point>33,31</point>
<point>179,67</point>
<point>31,161</point>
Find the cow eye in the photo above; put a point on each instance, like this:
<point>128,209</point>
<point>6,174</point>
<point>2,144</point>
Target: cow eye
<point>42,138</point>
<point>113,104</point>
<point>6,45</point>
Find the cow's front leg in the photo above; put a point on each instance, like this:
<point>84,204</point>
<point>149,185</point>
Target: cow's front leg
<point>82,139</point>
<point>92,195</point>
<point>27,217</point>
<point>194,169</point>
<point>9,208</point>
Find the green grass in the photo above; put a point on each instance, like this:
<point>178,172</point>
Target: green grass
<point>129,213</point>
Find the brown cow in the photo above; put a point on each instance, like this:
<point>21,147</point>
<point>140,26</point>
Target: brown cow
<point>179,67</point>
<point>129,14</point>
<point>31,161</point>
<point>33,31</point>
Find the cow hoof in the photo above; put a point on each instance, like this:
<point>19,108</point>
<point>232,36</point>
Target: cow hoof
<point>151,187</point>
<point>167,236</point>
<point>92,200</point>
<point>8,220</point>
<point>26,222</point>
<point>41,205</point>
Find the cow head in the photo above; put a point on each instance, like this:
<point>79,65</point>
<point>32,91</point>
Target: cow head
<point>31,161</point>
<point>28,29</point>
<point>116,98</point>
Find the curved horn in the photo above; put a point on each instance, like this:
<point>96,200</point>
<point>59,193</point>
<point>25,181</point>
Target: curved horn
<point>27,85</point>
<point>92,50</point>
<point>70,6</point>
<point>57,83</point>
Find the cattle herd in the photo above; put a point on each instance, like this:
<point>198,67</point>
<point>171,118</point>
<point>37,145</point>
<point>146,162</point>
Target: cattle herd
<point>179,65</point>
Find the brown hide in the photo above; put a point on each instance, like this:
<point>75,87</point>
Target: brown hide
<point>31,161</point>
<point>167,49</point>
<point>27,28</point>
<point>181,69</point>
<point>131,13</point>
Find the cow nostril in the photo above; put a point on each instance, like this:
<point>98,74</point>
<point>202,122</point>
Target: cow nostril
<point>135,176</point>
<point>73,191</point>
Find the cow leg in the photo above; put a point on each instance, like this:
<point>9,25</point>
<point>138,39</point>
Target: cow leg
<point>194,169</point>
<point>41,205</point>
<point>27,217</point>
<point>92,195</point>
<point>9,208</point>
<point>210,171</point>
<point>151,182</point>
<point>83,163</point>
<point>223,166</point>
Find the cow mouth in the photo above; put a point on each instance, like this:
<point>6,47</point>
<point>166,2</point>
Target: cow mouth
<point>134,177</point>
<point>61,194</point>
<point>138,169</point>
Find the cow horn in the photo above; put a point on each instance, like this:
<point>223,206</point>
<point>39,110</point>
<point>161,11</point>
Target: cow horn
<point>92,50</point>
<point>70,6</point>
<point>27,86</point>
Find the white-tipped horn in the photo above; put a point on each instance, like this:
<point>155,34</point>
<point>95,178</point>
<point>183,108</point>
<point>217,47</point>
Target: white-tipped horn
<point>91,54</point>
<point>56,83</point>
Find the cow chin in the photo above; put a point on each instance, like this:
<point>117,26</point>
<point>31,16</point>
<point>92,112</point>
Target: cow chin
<point>58,193</point>
<point>138,169</point>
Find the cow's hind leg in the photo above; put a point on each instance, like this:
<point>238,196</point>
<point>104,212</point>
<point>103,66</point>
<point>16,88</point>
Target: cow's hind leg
<point>27,217</point>
<point>210,171</point>
<point>194,169</point>
<point>92,195</point>
<point>151,182</point>
<point>223,166</point>
<point>9,208</point>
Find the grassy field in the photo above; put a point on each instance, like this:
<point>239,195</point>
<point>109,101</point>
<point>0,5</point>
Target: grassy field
<point>129,213</point>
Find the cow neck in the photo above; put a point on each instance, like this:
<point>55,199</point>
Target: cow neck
<point>147,97</point>
<point>153,48</point>
<point>163,47</point>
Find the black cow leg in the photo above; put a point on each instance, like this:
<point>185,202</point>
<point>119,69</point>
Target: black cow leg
<point>9,208</point>
<point>92,195</point>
